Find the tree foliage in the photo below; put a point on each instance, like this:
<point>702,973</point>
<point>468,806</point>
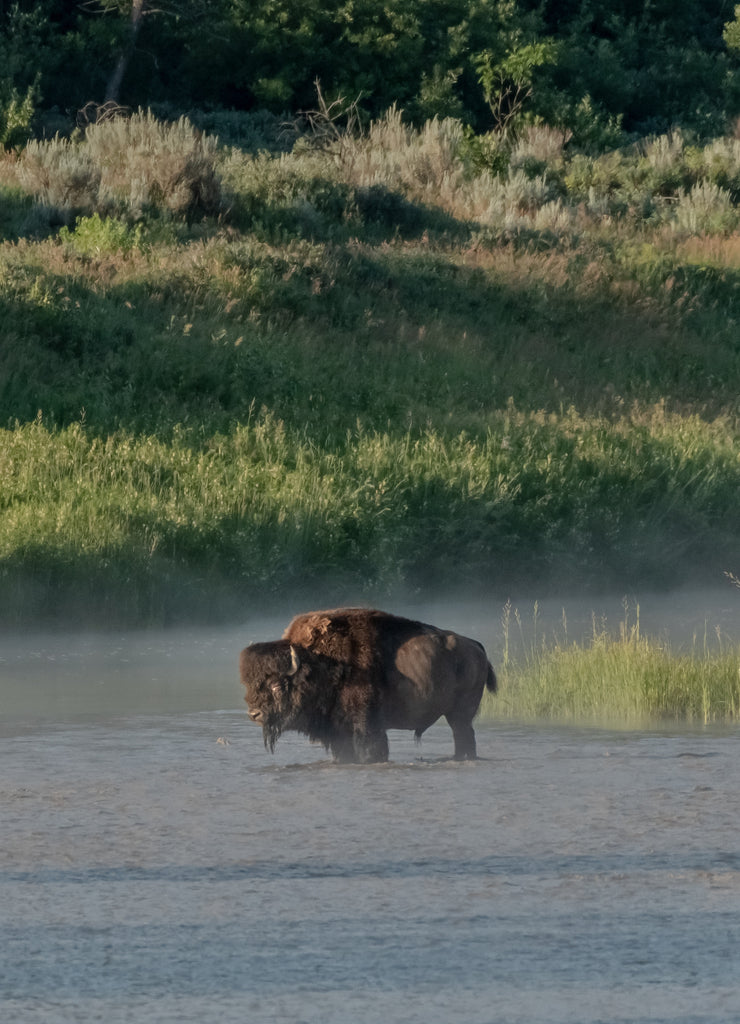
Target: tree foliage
<point>507,83</point>
<point>590,66</point>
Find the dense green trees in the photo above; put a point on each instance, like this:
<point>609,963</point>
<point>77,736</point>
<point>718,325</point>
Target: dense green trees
<point>587,65</point>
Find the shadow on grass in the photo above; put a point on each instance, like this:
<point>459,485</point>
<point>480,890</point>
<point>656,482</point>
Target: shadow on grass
<point>321,210</point>
<point>16,214</point>
<point>391,335</point>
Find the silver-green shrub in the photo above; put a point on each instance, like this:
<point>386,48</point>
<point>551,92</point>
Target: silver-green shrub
<point>126,167</point>
<point>61,174</point>
<point>706,207</point>
<point>147,163</point>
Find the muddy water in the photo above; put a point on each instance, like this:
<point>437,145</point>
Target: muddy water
<point>156,863</point>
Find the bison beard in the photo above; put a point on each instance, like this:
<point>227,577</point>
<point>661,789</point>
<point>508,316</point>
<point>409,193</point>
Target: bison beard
<point>344,677</point>
<point>284,691</point>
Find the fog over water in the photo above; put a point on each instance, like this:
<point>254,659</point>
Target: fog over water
<point>75,672</point>
<point>157,863</point>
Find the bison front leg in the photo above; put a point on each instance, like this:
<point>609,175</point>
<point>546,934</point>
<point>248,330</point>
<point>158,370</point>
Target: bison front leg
<point>464,736</point>
<point>343,748</point>
<point>360,747</point>
<point>371,747</point>
<point>371,739</point>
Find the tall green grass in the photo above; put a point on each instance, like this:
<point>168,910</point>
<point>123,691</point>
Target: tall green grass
<point>264,508</point>
<point>626,679</point>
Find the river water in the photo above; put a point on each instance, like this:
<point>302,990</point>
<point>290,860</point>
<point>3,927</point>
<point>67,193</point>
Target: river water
<point>158,864</point>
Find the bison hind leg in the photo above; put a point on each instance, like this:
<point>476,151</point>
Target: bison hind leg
<point>464,737</point>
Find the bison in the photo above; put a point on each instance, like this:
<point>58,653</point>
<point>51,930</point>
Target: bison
<point>344,677</point>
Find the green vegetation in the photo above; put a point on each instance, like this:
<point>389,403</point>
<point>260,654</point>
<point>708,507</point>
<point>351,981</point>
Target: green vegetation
<point>594,68</point>
<point>630,680</point>
<point>264,508</point>
<point>440,295</point>
<point>368,360</point>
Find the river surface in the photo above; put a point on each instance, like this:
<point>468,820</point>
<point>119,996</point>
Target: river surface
<point>158,864</point>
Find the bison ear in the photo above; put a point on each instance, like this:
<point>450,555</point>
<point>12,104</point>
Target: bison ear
<point>294,661</point>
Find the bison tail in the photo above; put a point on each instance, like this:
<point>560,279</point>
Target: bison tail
<point>491,683</point>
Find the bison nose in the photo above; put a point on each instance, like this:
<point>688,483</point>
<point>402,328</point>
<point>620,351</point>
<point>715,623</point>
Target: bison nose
<point>255,715</point>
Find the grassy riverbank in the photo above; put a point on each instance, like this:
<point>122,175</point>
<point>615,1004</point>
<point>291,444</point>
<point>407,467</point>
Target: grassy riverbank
<point>361,369</point>
<point>616,677</point>
<point>557,499</point>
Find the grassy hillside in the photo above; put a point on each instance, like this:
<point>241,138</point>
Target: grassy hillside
<point>399,361</point>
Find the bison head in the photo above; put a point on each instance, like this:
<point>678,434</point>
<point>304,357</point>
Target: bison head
<point>267,674</point>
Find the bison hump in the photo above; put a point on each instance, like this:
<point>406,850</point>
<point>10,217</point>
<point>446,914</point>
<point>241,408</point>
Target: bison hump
<point>349,635</point>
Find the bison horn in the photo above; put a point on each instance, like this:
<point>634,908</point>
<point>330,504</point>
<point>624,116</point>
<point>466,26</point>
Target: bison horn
<point>294,662</point>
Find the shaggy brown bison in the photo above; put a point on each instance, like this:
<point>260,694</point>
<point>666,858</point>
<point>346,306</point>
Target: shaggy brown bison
<point>344,677</point>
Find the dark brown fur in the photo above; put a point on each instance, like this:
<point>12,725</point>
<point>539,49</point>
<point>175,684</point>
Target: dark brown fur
<point>344,677</point>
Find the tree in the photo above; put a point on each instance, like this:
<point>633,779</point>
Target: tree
<point>731,33</point>
<point>138,9</point>
<point>141,72</point>
<point>16,113</point>
<point>508,82</point>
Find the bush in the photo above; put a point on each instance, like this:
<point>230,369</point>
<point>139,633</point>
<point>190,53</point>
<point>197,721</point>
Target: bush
<point>147,164</point>
<point>16,113</point>
<point>706,207</point>
<point>61,174</point>
<point>539,148</point>
<point>126,166</point>
<point>719,162</point>
<point>593,128</point>
<point>95,236</point>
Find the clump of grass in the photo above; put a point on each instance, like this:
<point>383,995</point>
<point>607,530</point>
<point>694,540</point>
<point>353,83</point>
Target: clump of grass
<point>626,679</point>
